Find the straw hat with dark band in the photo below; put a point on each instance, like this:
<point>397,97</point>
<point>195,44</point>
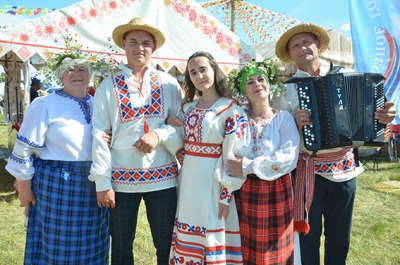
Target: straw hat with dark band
<point>138,23</point>
<point>281,45</point>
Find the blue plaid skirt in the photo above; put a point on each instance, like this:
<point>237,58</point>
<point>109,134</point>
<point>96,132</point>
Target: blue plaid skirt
<point>66,226</point>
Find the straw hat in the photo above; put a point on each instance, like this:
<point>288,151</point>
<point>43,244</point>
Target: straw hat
<point>138,23</point>
<point>281,45</point>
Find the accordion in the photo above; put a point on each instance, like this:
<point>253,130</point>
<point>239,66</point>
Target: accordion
<point>342,107</point>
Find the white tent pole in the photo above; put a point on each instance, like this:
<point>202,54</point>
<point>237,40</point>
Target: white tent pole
<point>27,91</point>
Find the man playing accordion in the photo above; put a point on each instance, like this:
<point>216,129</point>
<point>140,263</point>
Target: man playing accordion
<point>325,182</point>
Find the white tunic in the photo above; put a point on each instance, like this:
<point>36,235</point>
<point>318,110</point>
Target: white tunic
<point>63,132</point>
<point>121,106</point>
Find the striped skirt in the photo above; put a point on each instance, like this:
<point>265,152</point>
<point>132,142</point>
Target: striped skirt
<point>66,226</point>
<point>265,210</point>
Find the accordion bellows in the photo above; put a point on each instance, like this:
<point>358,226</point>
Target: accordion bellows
<point>342,107</point>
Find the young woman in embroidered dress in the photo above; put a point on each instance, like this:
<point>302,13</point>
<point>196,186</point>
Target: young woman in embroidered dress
<point>264,202</point>
<point>206,225</point>
<point>51,160</point>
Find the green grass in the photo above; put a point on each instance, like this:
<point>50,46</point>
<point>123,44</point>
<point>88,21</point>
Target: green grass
<point>375,238</point>
<point>12,231</point>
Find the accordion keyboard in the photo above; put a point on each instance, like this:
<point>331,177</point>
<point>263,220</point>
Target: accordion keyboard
<point>342,108</point>
<point>309,132</point>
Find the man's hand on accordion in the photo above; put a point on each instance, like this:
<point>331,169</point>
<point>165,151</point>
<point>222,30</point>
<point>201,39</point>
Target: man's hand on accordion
<point>387,114</point>
<point>302,118</point>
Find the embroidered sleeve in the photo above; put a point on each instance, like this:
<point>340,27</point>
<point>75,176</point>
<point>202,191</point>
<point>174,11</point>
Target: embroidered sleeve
<point>236,125</point>
<point>29,141</point>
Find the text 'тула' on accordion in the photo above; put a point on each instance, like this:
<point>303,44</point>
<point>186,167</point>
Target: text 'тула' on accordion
<point>342,107</point>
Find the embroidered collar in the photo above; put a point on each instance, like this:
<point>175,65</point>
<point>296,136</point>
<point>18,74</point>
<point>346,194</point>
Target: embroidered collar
<point>83,103</point>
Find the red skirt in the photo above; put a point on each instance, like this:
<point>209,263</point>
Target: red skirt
<point>265,210</point>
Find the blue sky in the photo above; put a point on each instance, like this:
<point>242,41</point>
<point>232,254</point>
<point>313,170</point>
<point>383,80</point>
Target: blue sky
<point>328,14</point>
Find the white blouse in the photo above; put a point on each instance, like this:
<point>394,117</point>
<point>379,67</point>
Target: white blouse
<point>56,127</point>
<point>274,147</point>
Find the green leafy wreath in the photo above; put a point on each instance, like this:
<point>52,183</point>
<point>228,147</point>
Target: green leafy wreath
<point>271,66</point>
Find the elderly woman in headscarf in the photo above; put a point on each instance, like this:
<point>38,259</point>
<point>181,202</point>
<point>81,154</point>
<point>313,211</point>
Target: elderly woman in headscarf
<point>264,202</point>
<point>51,160</point>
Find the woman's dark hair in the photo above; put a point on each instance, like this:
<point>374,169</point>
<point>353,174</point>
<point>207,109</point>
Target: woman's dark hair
<point>219,78</point>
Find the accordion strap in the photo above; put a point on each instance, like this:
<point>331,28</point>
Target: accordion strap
<point>332,70</point>
<point>335,69</point>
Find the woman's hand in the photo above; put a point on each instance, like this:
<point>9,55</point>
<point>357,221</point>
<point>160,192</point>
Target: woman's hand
<point>25,195</point>
<point>234,167</point>
<point>223,211</point>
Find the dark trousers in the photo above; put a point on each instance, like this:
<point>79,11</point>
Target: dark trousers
<point>334,201</point>
<point>160,209</point>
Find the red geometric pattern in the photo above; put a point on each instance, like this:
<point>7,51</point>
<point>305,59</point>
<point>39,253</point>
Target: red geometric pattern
<point>127,113</point>
<point>24,53</point>
<point>203,149</point>
<point>340,167</point>
<point>141,176</point>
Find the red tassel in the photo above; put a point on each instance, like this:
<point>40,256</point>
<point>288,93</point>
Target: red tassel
<point>146,127</point>
<point>301,227</point>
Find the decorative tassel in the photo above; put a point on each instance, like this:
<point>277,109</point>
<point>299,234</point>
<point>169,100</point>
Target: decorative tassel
<point>301,227</point>
<point>146,127</point>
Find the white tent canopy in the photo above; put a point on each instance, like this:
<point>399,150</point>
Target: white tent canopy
<point>188,28</point>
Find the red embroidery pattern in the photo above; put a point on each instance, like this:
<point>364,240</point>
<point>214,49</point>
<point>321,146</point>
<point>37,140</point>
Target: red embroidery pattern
<point>127,113</point>
<point>236,125</point>
<point>81,16</point>
<point>192,123</point>
<point>225,195</point>
<point>140,176</point>
<point>203,149</point>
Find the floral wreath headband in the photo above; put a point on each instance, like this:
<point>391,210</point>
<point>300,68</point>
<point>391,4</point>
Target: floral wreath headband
<point>67,62</point>
<point>268,68</point>
<point>101,65</point>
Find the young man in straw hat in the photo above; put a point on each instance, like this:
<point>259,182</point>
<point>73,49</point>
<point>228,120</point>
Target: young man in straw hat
<point>331,194</point>
<point>140,163</point>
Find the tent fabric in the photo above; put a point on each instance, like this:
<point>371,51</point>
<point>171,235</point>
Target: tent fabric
<point>188,28</point>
